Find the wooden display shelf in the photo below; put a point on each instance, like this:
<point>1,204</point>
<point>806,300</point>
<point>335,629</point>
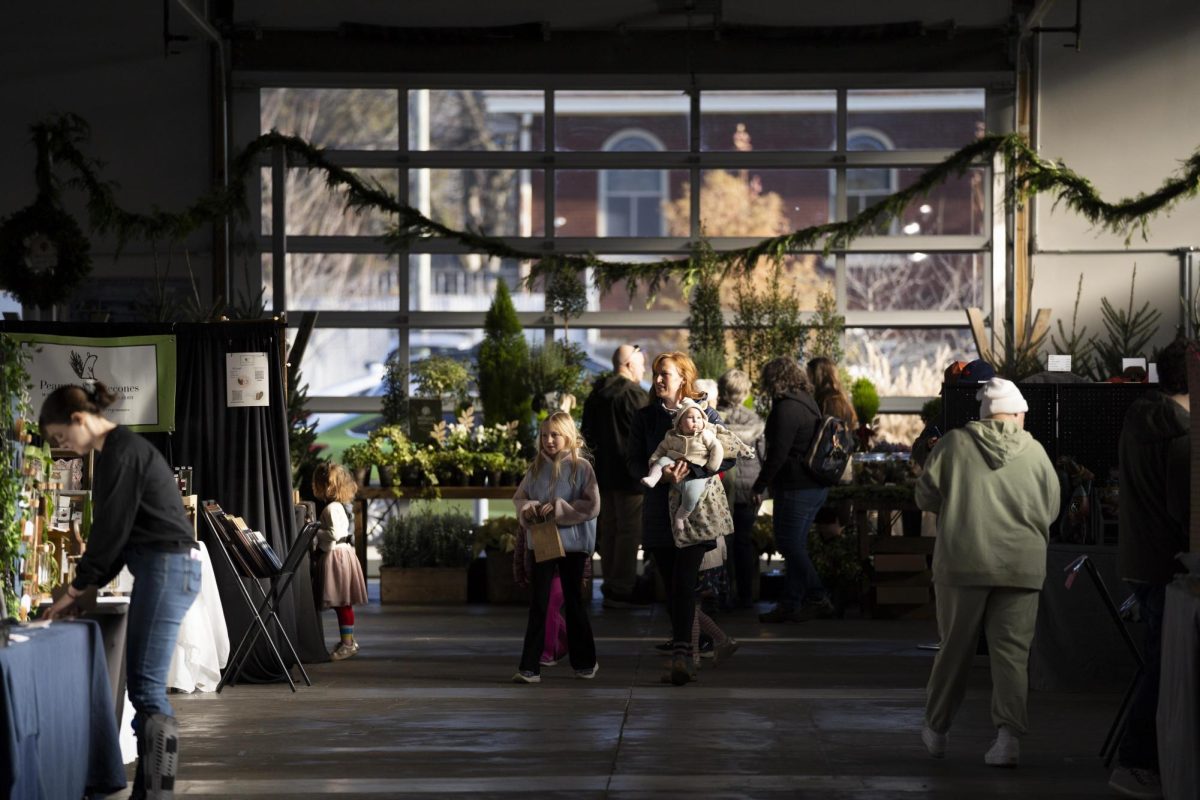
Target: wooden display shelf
<point>900,587</point>
<point>446,492</point>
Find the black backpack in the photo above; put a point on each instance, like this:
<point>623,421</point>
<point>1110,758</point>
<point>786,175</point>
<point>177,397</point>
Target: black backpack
<point>829,453</point>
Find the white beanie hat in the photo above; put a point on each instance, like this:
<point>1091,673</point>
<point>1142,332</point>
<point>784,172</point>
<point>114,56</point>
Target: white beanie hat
<point>999,396</point>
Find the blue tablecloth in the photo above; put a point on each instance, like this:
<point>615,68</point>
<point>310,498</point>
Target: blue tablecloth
<point>56,713</point>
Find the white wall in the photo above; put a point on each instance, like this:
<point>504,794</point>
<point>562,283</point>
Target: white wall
<point>149,114</point>
<point>1124,112</point>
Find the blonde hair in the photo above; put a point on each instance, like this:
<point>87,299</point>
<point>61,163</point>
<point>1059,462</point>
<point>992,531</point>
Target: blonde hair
<point>561,422</point>
<point>688,374</point>
<point>333,484</point>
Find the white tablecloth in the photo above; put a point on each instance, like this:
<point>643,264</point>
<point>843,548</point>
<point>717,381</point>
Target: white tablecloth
<point>203,645</point>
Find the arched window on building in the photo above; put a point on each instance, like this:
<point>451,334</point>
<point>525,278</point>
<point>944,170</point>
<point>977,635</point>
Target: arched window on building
<point>631,200</point>
<point>867,186</point>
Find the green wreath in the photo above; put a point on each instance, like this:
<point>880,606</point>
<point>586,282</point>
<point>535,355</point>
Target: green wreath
<point>43,254</point>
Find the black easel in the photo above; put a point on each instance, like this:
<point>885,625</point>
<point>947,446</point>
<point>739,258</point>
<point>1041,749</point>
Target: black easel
<point>268,605</point>
<point>1109,749</point>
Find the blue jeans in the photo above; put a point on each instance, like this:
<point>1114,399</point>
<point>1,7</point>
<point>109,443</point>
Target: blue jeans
<point>795,510</point>
<point>165,584</point>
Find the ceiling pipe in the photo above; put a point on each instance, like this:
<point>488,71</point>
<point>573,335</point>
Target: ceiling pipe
<point>223,86</point>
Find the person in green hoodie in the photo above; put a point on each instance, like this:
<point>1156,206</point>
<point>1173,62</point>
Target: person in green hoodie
<point>995,493</point>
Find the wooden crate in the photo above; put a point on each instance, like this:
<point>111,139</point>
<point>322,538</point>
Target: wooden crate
<point>422,586</point>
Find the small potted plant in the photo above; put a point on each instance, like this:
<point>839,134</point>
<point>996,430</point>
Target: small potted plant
<point>438,376</point>
<point>496,540</point>
<point>865,400</point>
<point>359,458</point>
<point>425,555</point>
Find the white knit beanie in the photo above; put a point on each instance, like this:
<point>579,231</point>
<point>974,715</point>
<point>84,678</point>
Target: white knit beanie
<point>999,396</point>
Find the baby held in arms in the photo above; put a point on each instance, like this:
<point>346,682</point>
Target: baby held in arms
<point>693,440</point>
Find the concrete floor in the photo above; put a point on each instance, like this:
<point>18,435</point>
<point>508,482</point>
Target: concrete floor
<point>827,709</point>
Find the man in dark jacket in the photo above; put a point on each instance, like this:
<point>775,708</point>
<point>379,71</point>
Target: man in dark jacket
<point>607,415</point>
<point>1155,454</point>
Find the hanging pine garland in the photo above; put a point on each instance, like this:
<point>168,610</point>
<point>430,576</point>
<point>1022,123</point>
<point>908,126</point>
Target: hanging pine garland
<point>1029,174</point>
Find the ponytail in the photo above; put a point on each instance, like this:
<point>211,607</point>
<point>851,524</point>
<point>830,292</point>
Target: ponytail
<point>90,398</point>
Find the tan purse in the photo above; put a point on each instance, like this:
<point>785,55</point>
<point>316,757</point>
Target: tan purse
<point>547,544</point>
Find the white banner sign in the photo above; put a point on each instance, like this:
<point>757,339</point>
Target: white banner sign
<point>129,371</point>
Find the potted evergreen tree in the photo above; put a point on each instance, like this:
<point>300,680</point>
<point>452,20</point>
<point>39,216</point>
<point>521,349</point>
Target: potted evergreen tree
<point>503,356</point>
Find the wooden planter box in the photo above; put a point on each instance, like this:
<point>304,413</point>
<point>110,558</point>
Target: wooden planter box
<point>422,585</point>
<point>501,588</point>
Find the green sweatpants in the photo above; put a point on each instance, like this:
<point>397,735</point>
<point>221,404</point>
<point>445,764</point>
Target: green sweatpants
<point>1007,616</point>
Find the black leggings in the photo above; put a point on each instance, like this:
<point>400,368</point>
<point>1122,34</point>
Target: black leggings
<point>680,570</point>
<point>580,644</point>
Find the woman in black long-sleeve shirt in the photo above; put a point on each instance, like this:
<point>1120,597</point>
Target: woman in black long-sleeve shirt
<point>138,522</point>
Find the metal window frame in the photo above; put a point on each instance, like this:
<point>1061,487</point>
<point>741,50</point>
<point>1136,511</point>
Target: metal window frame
<point>549,161</point>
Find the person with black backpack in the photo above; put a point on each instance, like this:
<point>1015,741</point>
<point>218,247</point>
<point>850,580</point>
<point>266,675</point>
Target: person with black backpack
<point>798,494</point>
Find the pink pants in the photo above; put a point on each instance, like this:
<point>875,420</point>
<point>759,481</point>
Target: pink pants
<point>556,626</point>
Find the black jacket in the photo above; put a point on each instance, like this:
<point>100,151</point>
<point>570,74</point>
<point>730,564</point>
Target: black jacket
<point>607,416</point>
<point>136,503</point>
<point>791,426</point>
<point>650,424</point>
<point>1154,453</point>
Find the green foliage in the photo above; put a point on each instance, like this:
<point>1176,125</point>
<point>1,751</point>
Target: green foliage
<point>428,536</point>
<point>438,376</point>
<point>566,294</point>
<point>555,368</point>
<point>1016,361</point>
<point>503,356</point>
<point>498,534</point>
<point>59,139</point>
<point>767,325</point>
<point>865,400</point>
<point>1076,344</point>
<point>302,433</point>
<point>360,455</point>
<point>827,329</point>
<point>706,321</point>
<point>395,391</point>
<point>15,414</point>
<point>931,411</point>
<point>710,363</point>
<point>837,559</point>
<point>1127,334</point>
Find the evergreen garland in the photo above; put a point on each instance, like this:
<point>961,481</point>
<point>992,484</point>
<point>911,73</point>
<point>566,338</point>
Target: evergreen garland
<point>1030,174</point>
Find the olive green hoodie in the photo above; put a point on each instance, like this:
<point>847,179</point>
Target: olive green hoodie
<point>995,493</point>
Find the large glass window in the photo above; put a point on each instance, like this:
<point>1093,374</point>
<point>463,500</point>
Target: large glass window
<point>629,175</point>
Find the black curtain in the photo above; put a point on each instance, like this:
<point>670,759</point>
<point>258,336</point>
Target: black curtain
<point>240,459</point>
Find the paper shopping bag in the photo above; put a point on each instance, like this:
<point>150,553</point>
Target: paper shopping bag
<point>547,544</point>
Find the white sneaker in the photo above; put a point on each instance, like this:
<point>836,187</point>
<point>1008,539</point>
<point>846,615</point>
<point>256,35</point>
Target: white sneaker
<point>1005,751</point>
<point>525,676</point>
<point>1134,782</point>
<point>588,674</point>
<point>343,651</point>
<point>935,742</point>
